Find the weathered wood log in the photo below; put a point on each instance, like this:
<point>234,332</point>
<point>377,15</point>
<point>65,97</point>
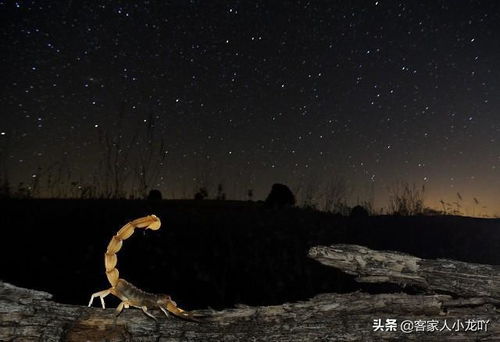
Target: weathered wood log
<point>29,315</point>
<point>445,276</point>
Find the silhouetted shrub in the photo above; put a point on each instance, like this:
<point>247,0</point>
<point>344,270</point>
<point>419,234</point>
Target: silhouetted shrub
<point>406,199</point>
<point>221,195</point>
<point>279,197</point>
<point>155,195</point>
<point>432,212</point>
<point>359,211</point>
<point>201,194</point>
<point>250,194</point>
<point>5,190</point>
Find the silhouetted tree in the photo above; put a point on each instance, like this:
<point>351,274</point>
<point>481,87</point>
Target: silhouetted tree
<point>154,195</point>
<point>250,194</point>
<point>5,189</point>
<point>201,194</point>
<point>151,155</point>
<point>279,197</point>
<point>359,211</point>
<point>117,147</point>
<point>335,194</point>
<point>221,195</point>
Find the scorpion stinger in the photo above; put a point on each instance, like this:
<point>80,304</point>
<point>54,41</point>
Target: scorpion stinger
<point>128,293</point>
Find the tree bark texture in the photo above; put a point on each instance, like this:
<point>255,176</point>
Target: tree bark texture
<point>456,292</point>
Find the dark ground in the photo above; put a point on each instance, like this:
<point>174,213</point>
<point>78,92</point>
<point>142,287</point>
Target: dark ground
<point>214,253</point>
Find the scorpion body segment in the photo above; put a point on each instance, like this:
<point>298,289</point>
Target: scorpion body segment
<point>135,296</point>
<point>129,294</point>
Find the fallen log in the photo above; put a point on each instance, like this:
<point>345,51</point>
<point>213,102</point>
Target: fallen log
<point>446,276</point>
<point>456,314</point>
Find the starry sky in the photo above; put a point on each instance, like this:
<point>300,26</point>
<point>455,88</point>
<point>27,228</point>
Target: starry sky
<point>248,93</point>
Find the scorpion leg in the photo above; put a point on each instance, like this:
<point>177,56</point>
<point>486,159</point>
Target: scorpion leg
<point>120,307</point>
<point>165,311</point>
<point>145,310</point>
<point>101,295</point>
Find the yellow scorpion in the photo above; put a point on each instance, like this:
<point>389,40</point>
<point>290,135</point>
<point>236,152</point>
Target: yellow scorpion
<point>128,293</point>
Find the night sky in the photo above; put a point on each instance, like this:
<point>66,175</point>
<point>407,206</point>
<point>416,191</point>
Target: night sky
<point>248,93</point>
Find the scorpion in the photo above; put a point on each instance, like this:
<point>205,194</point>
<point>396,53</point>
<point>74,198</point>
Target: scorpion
<point>129,294</point>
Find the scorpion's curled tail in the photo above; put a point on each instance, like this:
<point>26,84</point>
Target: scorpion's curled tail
<point>110,259</point>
